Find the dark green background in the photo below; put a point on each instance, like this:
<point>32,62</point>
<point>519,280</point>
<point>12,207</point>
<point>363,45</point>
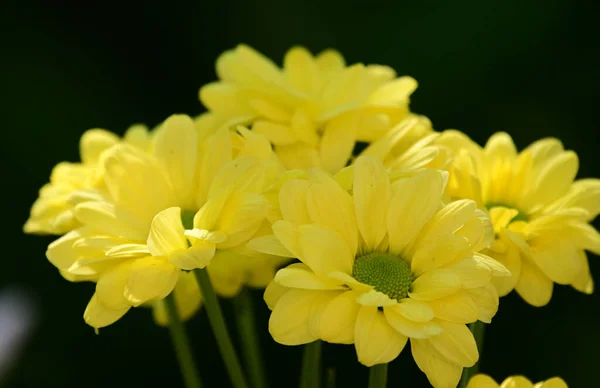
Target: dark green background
<point>526,67</point>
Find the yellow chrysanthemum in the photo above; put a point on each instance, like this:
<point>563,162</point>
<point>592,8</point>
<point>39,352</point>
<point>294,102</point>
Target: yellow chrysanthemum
<point>195,199</point>
<point>485,381</point>
<point>72,183</point>
<point>314,109</point>
<point>382,264</point>
<point>540,214</point>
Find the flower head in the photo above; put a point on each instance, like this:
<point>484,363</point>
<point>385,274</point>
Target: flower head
<point>485,381</point>
<point>381,263</point>
<point>73,183</point>
<point>194,199</point>
<point>540,213</point>
<point>315,108</point>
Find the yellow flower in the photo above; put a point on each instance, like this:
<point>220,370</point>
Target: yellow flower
<point>540,214</point>
<point>383,264</point>
<point>196,197</point>
<point>485,381</point>
<point>315,108</point>
<point>72,183</point>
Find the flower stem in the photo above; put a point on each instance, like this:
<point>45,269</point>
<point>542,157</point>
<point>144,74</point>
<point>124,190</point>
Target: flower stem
<point>182,345</point>
<point>378,376</point>
<point>217,322</point>
<point>478,330</point>
<point>311,365</point>
<point>244,314</point>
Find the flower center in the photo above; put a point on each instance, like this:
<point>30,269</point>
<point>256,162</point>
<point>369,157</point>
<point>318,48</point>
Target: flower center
<point>187,219</point>
<point>387,273</point>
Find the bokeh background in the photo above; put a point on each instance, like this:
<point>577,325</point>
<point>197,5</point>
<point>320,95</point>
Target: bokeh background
<point>526,67</point>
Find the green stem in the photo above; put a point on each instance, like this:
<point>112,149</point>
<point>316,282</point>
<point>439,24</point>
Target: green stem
<point>217,322</point>
<point>478,330</point>
<point>311,365</point>
<point>182,345</point>
<point>378,376</point>
<point>244,314</point>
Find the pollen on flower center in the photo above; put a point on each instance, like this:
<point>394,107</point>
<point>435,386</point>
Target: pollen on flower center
<point>387,273</point>
<point>187,219</point>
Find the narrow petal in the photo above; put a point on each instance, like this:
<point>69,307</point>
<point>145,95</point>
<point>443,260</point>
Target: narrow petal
<point>408,212</point>
<point>299,275</point>
<point>273,293</point>
<point>241,218</point>
<point>372,192</point>
<point>555,177</point>
<point>408,327</point>
<point>97,315</point>
<point>584,281</point>
<point>197,256</point>
<point>511,259</point>
<point>292,201</point>
<point>270,245</point>
<point>287,234</point>
<point>166,233</point>
<point>414,310</point>
<point>486,299</point>
<point>375,298</point>
<point>324,251</point>
<point>559,262</point>
<point>471,272</point>
<point>339,319</point>
<point>456,343</point>
<point>111,286</point>
<point>175,146</point>
<point>60,252</point>
<point>376,342</point>
<point>517,381</point>
<point>106,218</point>
<point>338,141</point>
<point>440,372</point>
<point>435,284</point>
<point>93,143</point>
<point>150,278</point>
<point>128,250</point>
<point>482,381</point>
<point>533,285</point>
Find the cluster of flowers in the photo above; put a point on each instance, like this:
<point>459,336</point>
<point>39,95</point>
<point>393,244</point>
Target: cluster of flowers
<point>412,238</point>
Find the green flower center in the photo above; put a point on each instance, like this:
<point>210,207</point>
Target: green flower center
<point>187,219</point>
<point>521,216</point>
<point>387,273</point>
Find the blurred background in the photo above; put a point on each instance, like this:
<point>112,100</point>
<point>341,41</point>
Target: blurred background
<point>526,67</point>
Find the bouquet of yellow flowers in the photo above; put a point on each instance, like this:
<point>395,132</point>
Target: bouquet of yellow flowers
<point>315,182</point>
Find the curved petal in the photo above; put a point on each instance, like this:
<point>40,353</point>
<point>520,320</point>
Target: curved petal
<point>270,245</point>
<point>435,284</point>
<point>97,315</point>
<point>482,381</point>
<point>559,262</point>
<point>299,275</point>
<point>414,310</point>
<point>324,251</point>
<point>456,343</point>
<point>150,278</point>
<point>273,293</point>
<point>371,192</point>
<point>533,286</point>
<point>440,372</point>
<point>408,327</point>
<point>292,201</point>
<point>376,342</point>
<point>166,233</point>
<point>111,286</point>
<point>339,319</point>
<point>457,308</point>
<point>486,299</point>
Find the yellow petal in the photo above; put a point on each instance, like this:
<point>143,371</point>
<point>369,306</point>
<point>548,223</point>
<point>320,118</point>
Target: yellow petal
<point>555,382</point>
<point>278,134</point>
<point>209,214</point>
<point>137,135</point>
<point>128,250</point>
<point>501,217</point>
<point>330,62</point>
<point>438,253</point>
<point>111,286</point>
<point>456,343</point>
<point>329,206</point>
<point>97,315</point>
<point>511,259</point>
<point>273,293</point>
<point>150,278</point>
<point>486,299</point>
<point>270,245</point>
<point>299,275</point>
<point>60,252</point>
<point>533,285</point>
<point>292,200</point>
<point>584,281</point>
<point>471,272</point>
<point>197,256</point>
<point>338,142</point>
<point>244,173</point>
<point>339,319</point>
<point>301,70</point>
<point>324,251</point>
<point>375,298</point>
<point>287,233</point>
<point>187,300</point>
<point>241,218</point>
<point>108,219</point>
<point>289,323</point>
<point>175,146</point>
<point>396,92</point>
<point>516,382</point>
<point>409,212</point>
<point>482,381</point>
<point>216,153</point>
<point>440,372</point>
<point>299,156</point>
<point>93,143</point>
<point>408,327</point>
<point>559,262</point>
<point>435,284</point>
<point>376,342</point>
<point>372,192</point>
<point>500,145</point>
<point>457,308</point>
<point>414,310</point>
<point>166,233</point>
<point>555,177</point>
